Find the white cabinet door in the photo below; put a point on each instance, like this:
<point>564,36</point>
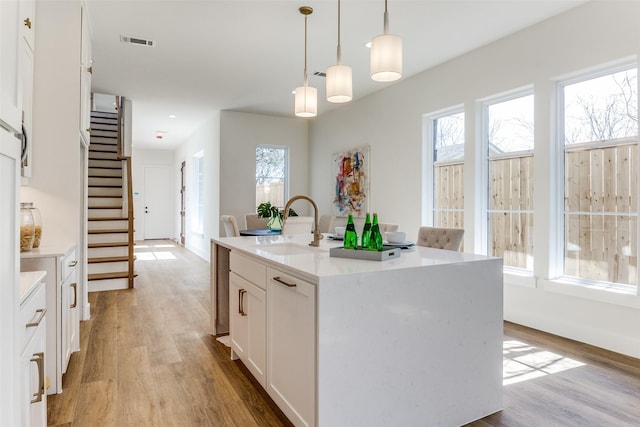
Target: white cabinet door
<point>70,316</point>
<point>291,331</point>
<point>32,325</point>
<point>33,398</point>
<point>9,269</point>
<point>26,60</point>
<point>247,307</point>
<point>10,78</point>
<point>85,78</point>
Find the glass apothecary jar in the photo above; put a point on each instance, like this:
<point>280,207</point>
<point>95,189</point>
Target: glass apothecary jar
<point>27,228</point>
<point>37,223</point>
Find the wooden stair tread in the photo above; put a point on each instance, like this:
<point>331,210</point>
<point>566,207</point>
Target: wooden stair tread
<point>107,245</point>
<point>109,231</point>
<point>113,275</point>
<point>109,218</point>
<point>109,259</point>
<point>106,167</point>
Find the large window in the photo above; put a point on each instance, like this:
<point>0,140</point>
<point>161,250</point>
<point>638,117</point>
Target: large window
<point>600,133</point>
<point>272,174</point>
<point>197,219</point>
<point>448,170</point>
<point>508,130</point>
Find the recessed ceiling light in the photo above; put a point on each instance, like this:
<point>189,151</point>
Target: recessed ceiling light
<point>368,45</point>
<point>172,116</point>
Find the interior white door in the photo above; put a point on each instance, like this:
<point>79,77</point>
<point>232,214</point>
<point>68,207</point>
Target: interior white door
<point>158,210</point>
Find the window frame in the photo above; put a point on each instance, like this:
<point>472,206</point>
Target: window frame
<point>285,171</point>
<point>429,150</point>
<point>560,151</point>
<point>485,103</point>
<point>198,205</point>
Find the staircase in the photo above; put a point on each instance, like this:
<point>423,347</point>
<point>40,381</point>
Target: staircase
<point>110,251</point>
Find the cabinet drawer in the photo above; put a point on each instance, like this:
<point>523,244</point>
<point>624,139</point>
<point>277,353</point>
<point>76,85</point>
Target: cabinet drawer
<point>249,269</point>
<point>69,263</point>
<point>32,311</point>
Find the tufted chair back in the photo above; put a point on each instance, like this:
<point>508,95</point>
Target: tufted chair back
<point>440,238</point>
<point>230,225</point>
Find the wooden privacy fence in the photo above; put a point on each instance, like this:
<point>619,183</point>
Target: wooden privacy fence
<point>601,208</point>
<point>601,213</point>
<point>272,192</point>
<point>449,195</point>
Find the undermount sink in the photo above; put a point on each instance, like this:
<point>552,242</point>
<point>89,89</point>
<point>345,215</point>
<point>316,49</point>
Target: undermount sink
<point>288,249</point>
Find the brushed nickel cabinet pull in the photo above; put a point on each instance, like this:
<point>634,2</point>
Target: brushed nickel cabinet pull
<point>39,359</point>
<point>241,293</point>
<point>279,280</point>
<point>75,295</point>
<point>42,312</point>
<point>73,263</point>
<point>244,313</point>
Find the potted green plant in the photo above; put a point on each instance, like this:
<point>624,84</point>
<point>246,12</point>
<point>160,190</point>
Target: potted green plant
<point>267,210</point>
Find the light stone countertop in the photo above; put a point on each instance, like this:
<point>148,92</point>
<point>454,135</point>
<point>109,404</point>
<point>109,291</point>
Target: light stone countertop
<point>315,263</point>
<point>49,249</point>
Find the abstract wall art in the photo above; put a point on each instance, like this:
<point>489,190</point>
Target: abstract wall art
<point>351,172</point>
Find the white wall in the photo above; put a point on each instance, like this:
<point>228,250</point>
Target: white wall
<point>206,139</point>
<point>391,122</point>
<point>54,186</point>
<point>240,134</point>
<point>140,160</point>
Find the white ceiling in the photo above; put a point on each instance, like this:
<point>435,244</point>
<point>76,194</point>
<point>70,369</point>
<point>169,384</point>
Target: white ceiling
<point>249,55</point>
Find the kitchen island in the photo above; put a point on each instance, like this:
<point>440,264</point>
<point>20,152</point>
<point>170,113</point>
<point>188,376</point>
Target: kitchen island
<point>414,340</point>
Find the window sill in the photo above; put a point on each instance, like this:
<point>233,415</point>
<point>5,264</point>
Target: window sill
<point>519,278</point>
<point>596,292</point>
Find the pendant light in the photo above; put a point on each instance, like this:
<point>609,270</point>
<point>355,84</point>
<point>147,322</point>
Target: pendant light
<point>306,98</point>
<point>386,54</point>
<point>339,87</point>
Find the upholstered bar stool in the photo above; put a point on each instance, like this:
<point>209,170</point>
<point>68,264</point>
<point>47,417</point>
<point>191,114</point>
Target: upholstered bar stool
<point>230,225</point>
<point>440,238</point>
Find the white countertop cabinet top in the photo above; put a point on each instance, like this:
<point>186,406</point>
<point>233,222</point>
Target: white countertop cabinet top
<point>414,340</point>
<point>315,263</point>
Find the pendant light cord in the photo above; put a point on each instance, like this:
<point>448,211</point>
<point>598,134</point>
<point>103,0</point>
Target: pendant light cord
<point>386,18</point>
<point>339,52</point>
<point>305,51</point>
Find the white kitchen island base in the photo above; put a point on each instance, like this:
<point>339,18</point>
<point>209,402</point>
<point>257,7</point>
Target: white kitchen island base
<point>412,341</point>
<point>416,347</point>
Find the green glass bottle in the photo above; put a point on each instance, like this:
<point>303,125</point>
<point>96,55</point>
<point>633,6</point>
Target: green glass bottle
<point>350,235</point>
<point>366,232</point>
<point>375,241</point>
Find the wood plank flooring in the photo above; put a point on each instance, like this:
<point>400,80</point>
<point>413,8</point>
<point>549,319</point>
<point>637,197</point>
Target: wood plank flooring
<point>147,359</point>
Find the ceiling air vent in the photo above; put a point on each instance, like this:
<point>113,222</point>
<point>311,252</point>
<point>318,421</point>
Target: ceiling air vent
<point>139,42</point>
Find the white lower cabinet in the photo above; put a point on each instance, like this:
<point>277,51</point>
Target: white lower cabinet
<point>291,346</point>
<point>32,331</point>
<point>70,315</point>
<point>273,331</point>
<point>247,307</point>
<point>63,327</point>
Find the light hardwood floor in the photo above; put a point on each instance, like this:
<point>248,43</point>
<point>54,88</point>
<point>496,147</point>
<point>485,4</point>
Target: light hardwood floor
<point>147,359</point>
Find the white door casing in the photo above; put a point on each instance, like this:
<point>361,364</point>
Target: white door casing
<point>158,205</point>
